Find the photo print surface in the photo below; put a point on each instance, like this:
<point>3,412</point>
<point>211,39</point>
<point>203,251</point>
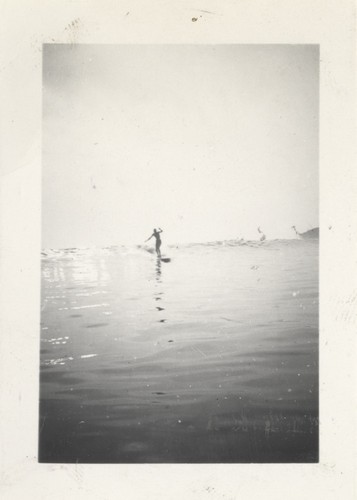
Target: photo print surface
<point>180,239</point>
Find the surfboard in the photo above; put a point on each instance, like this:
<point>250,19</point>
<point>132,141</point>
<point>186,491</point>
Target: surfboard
<point>152,251</point>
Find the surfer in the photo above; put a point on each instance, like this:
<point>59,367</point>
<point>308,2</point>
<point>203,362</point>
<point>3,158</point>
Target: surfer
<point>156,235</point>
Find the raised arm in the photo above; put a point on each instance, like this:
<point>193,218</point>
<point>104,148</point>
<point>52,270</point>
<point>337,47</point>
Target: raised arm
<point>160,230</point>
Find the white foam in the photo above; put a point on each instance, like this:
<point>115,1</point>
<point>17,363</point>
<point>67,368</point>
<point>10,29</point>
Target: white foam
<point>89,306</point>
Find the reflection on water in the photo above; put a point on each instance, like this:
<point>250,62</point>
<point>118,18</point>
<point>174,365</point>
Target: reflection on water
<point>159,295</point>
<point>211,357</point>
<point>158,270</point>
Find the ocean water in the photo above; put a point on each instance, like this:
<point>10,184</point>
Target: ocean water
<point>209,358</point>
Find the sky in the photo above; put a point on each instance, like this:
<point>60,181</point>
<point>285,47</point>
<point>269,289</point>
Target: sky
<point>207,142</point>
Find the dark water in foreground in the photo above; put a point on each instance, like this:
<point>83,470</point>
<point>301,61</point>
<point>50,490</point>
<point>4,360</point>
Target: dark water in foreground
<point>212,357</point>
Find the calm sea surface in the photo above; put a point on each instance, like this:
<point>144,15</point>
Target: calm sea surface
<point>212,357</point>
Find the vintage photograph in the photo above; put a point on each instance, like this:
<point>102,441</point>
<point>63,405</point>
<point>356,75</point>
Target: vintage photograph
<point>180,254</point>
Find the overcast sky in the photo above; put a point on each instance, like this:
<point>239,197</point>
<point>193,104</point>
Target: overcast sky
<point>206,141</point>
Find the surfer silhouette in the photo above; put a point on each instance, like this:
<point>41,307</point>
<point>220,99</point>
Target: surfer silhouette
<point>156,235</point>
